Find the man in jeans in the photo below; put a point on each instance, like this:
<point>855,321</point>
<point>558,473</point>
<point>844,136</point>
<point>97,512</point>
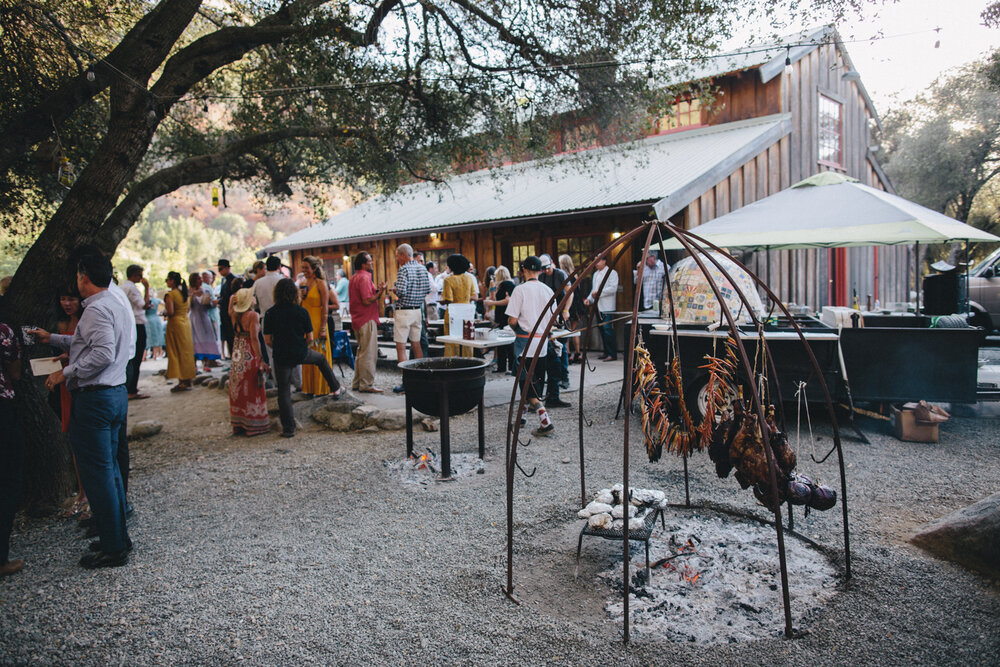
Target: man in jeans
<point>287,333</point>
<point>606,300</point>
<point>363,296</point>
<point>139,302</point>
<point>557,363</point>
<point>410,289</point>
<point>99,352</point>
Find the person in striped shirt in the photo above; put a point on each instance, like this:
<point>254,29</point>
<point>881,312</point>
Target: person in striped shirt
<point>410,290</point>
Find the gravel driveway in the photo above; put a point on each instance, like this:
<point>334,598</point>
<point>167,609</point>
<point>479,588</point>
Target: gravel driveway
<point>273,551</point>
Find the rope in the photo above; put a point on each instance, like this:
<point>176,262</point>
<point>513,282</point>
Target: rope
<point>800,398</point>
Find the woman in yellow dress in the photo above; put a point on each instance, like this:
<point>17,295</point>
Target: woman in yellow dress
<point>180,345</point>
<point>459,287</point>
<point>317,302</point>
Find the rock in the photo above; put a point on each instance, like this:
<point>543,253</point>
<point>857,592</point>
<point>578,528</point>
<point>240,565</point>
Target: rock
<point>272,392</point>
<point>429,423</point>
<point>201,378</point>
<point>212,383</point>
<point>162,371</point>
<point>365,415</point>
<point>145,429</point>
<point>299,396</point>
<point>392,420</point>
<point>340,421</point>
<point>970,536</point>
<point>304,409</point>
<point>370,429</point>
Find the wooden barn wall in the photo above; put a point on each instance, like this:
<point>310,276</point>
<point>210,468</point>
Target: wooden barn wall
<point>803,276</point>
<point>491,246</point>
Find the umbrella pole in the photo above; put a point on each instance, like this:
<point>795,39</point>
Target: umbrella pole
<point>916,274</point>
<point>965,297</point>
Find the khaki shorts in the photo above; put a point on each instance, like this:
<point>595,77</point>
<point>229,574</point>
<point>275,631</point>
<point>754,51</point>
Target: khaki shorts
<point>406,325</point>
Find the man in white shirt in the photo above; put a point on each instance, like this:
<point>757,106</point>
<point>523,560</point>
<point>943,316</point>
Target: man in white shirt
<point>263,291</point>
<point>139,302</point>
<point>99,353</point>
<point>606,299</point>
<point>434,294</point>
<point>528,303</point>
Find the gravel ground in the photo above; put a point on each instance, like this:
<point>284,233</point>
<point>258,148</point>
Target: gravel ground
<point>274,551</point>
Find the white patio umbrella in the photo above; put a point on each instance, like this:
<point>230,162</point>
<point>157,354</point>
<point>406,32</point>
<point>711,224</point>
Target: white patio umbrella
<point>830,210</point>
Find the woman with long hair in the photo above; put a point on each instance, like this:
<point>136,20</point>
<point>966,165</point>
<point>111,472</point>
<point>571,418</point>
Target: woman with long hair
<point>316,301</point>
<point>180,346</point>
<point>70,310</point>
<point>577,309</point>
<point>203,336</point>
<point>498,300</point>
<point>247,373</point>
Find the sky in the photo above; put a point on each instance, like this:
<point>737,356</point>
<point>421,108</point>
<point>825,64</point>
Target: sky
<point>900,66</point>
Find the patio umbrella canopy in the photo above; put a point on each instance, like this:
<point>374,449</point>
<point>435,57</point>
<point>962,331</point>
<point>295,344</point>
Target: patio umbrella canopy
<point>830,210</point>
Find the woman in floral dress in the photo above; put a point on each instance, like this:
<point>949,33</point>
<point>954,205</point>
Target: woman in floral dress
<point>247,396</point>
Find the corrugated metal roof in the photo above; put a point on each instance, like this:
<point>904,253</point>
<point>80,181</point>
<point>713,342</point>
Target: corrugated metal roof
<point>642,172</point>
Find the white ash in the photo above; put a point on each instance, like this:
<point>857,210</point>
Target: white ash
<point>726,585</point>
<point>428,472</point>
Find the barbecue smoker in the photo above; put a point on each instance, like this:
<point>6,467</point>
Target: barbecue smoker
<point>444,387</point>
<point>769,468</point>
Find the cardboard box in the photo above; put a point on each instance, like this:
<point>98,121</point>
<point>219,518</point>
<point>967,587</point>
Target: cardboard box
<point>908,429</point>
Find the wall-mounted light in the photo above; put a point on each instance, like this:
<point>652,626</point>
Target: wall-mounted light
<point>434,235</point>
<point>616,234</point>
<point>851,75</point>
<point>347,259</point>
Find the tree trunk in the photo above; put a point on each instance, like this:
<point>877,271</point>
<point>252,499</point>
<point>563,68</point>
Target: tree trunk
<point>48,463</point>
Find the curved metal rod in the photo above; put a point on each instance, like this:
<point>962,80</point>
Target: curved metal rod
<point>680,235</point>
<point>629,379</point>
<point>524,472</point>
<point>585,361</point>
<point>514,426</point>
<point>822,383</point>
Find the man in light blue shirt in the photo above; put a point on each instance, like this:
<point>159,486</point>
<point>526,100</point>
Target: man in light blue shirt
<point>99,353</point>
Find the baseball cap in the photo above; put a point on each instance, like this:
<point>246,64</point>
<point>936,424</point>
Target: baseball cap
<point>531,263</point>
<point>545,261</point>
<point>223,262</point>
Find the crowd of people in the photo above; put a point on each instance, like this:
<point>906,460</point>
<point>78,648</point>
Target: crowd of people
<point>277,331</point>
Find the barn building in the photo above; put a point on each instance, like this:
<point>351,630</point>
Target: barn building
<point>781,114</point>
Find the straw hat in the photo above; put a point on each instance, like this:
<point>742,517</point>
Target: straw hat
<point>244,300</point>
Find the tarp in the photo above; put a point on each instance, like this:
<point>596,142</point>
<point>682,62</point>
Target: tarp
<point>830,210</point>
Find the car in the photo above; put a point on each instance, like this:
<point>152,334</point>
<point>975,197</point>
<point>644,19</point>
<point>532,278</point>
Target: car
<point>984,293</point>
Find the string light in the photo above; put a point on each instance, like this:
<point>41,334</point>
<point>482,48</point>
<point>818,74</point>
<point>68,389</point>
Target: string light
<point>788,60</point>
<point>91,76</point>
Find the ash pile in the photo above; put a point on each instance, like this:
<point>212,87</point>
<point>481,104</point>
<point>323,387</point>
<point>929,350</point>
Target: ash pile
<point>424,468</point>
<point>715,578</point>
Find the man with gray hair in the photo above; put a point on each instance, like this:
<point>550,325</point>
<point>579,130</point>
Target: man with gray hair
<point>410,289</point>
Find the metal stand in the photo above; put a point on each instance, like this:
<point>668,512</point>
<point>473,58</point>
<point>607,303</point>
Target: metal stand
<point>445,432</point>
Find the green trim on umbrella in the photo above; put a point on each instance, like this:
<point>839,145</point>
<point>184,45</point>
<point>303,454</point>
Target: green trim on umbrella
<point>826,178</point>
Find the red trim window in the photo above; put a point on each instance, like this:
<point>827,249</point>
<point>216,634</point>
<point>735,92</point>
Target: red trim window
<point>685,113</point>
<point>830,130</point>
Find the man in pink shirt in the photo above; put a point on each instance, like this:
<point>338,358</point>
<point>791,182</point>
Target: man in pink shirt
<point>363,298</point>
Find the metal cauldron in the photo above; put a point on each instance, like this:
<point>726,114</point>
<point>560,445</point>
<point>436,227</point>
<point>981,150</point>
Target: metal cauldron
<point>462,378</point>
<point>444,387</point>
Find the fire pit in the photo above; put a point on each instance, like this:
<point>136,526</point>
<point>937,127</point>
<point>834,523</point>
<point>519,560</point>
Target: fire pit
<point>444,387</point>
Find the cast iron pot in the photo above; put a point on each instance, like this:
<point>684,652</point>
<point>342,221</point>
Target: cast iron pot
<point>462,377</point>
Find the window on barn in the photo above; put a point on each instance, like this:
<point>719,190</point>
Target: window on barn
<point>519,253</point>
<point>830,128</point>
<point>579,248</point>
<point>686,113</point>
<point>438,255</point>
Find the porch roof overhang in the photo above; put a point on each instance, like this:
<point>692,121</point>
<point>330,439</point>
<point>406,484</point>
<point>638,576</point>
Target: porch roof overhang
<point>668,171</point>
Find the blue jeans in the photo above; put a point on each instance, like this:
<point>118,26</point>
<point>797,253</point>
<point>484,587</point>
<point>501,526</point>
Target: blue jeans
<point>608,334</point>
<point>97,419</point>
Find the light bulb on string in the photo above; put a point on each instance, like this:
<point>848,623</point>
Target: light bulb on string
<point>937,42</point>
<point>788,61</point>
<point>91,76</point>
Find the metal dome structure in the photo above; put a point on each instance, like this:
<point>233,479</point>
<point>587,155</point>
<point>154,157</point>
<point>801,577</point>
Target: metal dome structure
<point>706,256</point>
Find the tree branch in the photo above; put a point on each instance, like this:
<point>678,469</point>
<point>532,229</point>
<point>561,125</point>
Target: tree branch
<point>200,169</point>
<point>150,33</point>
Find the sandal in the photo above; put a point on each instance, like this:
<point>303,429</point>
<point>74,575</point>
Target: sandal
<point>180,387</point>
<point>337,394</point>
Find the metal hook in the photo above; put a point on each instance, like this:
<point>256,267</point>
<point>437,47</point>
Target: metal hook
<point>533,470</point>
<point>832,450</point>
